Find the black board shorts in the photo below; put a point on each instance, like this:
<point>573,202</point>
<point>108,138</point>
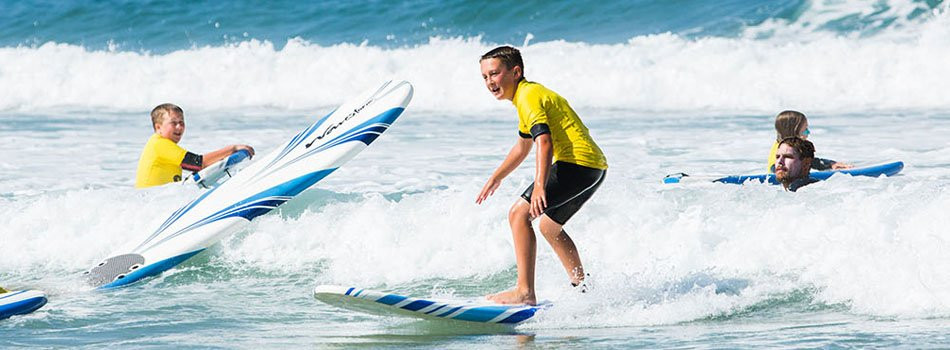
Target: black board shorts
<point>569,186</point>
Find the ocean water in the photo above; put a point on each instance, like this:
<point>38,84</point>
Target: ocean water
<point>686,86</point>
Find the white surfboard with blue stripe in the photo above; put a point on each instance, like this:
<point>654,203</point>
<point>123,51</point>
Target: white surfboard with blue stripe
<point>391,304</point>
<point>265,184</point>
<point>20,302</point>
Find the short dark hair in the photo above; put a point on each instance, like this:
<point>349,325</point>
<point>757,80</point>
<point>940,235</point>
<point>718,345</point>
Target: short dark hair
<point>803,147</point>
<point>508,55</point>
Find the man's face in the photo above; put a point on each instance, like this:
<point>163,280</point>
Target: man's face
<point>499,79</point>
<point>788,164</point>
<point>172,127</point>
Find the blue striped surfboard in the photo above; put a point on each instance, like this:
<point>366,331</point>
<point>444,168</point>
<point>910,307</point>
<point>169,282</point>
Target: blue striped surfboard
<point>20,302</point>
<point>391,304</point>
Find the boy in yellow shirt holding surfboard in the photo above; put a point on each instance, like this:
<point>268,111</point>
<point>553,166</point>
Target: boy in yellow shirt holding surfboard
<point>163,160</point>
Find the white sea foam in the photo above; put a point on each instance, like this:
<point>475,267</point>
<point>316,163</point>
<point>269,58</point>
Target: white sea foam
<point>662,257</point>
<point>900,68</point>
<point>667,256</point>
<point>663,254</point>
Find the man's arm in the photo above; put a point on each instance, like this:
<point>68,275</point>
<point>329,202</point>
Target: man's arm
<point>822,164</point>
<point>517,155</point>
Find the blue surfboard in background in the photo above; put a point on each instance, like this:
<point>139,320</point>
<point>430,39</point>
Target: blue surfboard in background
<point>886,169</point>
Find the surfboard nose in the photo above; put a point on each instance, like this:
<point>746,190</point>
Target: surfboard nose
<point>20,302</point>
<point>407,87</point>
<point>396,88</point>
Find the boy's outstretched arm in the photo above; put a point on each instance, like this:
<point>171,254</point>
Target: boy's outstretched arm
<point>543,165</point>
<point>517,155</point>
<point>214,156</point>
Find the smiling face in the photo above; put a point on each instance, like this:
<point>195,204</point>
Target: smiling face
<point>172,126</point>
<point>789,165</point>
<point>500,80</point>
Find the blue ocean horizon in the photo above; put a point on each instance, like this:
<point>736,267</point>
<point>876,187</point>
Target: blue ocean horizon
<point>163,26</point>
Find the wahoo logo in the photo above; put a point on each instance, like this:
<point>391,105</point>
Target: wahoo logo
<point>337,125</point>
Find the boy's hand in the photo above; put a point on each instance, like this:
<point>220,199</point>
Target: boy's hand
<point>245,147</point>
<point>538,201</point>
<point>488,189</point>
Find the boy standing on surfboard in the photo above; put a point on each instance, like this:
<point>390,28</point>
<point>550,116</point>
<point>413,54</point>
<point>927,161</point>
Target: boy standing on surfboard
<point>559,189</point>
<point>163,159</point>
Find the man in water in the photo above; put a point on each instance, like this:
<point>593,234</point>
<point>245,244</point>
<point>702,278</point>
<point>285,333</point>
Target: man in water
<point>795,124</point>
<point>793,163</point>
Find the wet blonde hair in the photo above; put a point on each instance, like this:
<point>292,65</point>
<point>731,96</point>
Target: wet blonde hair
<point>789,124</point>
<point>160,111</point>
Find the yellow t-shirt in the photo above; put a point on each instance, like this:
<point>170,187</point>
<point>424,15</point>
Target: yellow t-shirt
<point>160,162</point>
<point>771,167</point>
<point>570,138</point>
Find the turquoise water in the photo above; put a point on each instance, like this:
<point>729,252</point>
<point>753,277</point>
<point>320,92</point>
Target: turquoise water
<point>664,87</point>
<point>162,26</point>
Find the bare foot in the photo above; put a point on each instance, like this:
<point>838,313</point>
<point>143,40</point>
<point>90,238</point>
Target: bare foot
<point>514,296</point>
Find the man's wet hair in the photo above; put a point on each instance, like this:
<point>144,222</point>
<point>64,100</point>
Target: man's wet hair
<point>508,55</point>
<point>803,147</point>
